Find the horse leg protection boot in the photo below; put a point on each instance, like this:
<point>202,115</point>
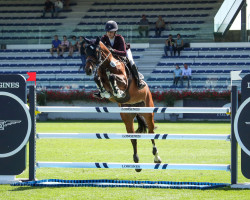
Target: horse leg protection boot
<point>112,81</point>
<point>116,91</point>
<point>98,83</point>
<point>140,83</point>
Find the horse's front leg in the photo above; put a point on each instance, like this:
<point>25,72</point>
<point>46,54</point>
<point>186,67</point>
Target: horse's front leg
<point>114,81</point>
<point>103,92</point>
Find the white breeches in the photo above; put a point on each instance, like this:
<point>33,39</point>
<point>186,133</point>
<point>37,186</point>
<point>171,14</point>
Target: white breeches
<point>130,57</point>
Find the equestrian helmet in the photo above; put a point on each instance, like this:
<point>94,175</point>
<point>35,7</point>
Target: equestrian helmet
<point>111,26</point>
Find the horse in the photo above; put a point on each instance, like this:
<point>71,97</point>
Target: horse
<point>116,83</point>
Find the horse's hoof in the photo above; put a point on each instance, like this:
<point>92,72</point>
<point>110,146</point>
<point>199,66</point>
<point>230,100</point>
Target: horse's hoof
<point>138,170</point>
<point>136,158</point>
<point>157,160</point>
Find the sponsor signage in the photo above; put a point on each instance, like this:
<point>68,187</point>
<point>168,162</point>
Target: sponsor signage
<point>9,84</point>
<point>130,109</point>
<point>131,136</point>
<point>15,124</point>
<point>132,166</point>
<point>6,123</point>
<point>242,126</point>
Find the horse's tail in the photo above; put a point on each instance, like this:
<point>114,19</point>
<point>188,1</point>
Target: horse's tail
<point>142,125</point>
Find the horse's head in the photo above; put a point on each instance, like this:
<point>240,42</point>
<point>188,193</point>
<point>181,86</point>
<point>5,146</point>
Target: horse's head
<point>93,54</point>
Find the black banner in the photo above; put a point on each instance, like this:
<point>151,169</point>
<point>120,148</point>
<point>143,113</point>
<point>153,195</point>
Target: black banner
<point>243,126</point>
<point>15,124</point>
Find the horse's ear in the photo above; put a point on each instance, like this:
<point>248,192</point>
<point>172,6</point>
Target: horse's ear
<point>97,41</point>
<point>86,40</point>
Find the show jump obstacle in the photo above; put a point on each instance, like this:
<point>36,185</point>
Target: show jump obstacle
<point>18,127</point>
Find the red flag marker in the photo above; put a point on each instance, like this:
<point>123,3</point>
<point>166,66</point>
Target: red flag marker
<point>32,76</point>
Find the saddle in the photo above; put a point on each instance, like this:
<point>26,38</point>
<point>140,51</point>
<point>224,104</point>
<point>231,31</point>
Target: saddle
<point>123,59</point>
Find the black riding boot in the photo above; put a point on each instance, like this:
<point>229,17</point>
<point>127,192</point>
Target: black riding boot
<point>140,83</point>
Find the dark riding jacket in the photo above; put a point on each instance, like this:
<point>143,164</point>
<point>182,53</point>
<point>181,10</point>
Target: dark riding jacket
<point>119,44</point>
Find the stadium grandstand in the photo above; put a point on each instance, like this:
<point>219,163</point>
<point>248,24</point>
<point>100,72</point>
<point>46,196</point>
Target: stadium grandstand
<point>211,50</point>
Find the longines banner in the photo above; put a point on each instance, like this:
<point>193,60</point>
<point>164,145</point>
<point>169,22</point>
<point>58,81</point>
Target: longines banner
<point>242,126</point>
<point>15,124</point>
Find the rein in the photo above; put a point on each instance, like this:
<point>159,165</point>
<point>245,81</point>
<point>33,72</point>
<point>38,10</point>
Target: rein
<point>100,63</point>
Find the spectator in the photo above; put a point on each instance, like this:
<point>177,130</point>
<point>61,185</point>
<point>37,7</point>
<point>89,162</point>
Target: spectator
<point>169,27</point>
<point>177,75</point>
<point>55,45</point>
<point>178,45</point>
<point>73,45</point>
<point>64,46</point>
<point>143,26</point>
<point>186,74</point>
<point>82,53</point>
<point>66,3</point>
<point>58,7</point>
<point>79,44</point>
<point>159,26</point>
<point>48,7</point>
<point>169,45</point>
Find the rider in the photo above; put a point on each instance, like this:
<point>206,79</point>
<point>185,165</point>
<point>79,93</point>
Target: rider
<point>115,41</point>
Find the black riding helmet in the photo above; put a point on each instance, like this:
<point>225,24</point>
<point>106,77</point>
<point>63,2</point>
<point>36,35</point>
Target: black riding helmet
<point>111,26</point>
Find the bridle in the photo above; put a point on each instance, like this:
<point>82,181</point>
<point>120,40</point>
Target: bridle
<point>98,62</point>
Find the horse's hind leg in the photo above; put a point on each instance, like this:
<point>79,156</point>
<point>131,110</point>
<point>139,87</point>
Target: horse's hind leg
<point>157,158</point>
<point>128,120</point>
<point>151,126</point>
<point>149,117</point>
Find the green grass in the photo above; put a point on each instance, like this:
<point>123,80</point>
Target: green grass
<point>210,152</point>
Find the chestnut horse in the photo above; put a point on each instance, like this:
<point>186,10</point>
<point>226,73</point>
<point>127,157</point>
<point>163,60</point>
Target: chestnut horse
<point>116,83</point>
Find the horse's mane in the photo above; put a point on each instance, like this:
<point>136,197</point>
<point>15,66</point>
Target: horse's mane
<point>104,48</point>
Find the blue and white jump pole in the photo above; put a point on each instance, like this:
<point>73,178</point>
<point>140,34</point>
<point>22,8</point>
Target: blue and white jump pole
<point>35,165</point>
